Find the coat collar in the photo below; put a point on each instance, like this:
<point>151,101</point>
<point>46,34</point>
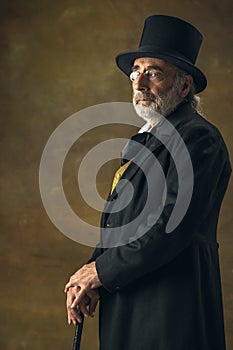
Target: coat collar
<point>158,137</point>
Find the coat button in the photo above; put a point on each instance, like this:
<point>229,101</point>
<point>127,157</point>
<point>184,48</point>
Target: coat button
<point>118,288</point>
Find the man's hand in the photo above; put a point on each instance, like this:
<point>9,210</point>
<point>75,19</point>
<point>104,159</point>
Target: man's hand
<point>87,305</point>
<point>83,282</point>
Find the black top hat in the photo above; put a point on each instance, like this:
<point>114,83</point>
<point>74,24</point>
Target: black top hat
<point>171,39</point>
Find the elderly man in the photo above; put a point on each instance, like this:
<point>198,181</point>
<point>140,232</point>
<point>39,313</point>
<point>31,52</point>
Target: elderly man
<point>158,282</point>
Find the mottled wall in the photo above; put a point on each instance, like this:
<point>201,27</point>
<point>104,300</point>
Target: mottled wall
<point>57,57</point>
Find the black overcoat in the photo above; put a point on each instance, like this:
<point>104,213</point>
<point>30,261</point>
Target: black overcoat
<point>162,290</point>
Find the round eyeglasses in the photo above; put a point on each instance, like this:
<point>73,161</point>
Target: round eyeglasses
<point>148,74</point>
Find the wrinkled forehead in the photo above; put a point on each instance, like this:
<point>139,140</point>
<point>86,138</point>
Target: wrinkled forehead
<point>156,63</point>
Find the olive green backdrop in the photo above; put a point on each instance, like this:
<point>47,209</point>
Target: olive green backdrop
<point>57,57</point>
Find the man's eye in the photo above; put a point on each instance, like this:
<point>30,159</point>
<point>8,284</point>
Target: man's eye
<point>150,75</point>
<point>153,75</point>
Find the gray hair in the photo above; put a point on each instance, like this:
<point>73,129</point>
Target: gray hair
<point>191,97</point>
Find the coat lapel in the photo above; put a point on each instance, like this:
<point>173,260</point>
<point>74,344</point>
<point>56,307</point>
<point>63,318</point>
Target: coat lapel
<point>158,138</point>
<point>153,143</point>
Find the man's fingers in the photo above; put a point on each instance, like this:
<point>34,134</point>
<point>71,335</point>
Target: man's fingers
<point>73,282</point>
<point>71,318</point>
<point>69,298</point>
<point>92,306</point>
<point>67,286</point>
<point>68,318</point>
<point>74,317</point>
<point>86,276</point>
<point>94,298</point>
<point>79,302</point>
<point>84,308</point>
<point>78,297</point>
<point>74,304</point>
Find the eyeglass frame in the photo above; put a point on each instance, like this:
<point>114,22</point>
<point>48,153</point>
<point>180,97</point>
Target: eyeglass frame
<point>146,74</point>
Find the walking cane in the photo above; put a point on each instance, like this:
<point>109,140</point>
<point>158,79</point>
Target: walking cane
<point>78,334</point>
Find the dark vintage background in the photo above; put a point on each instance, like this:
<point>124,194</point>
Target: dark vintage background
<point>57,57</point>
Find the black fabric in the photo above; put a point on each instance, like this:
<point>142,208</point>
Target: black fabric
<point>130,150</point>
<point>163,291</point>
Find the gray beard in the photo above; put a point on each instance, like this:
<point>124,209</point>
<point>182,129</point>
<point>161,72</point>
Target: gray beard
<point>149,113</point>
<point>162,105</point>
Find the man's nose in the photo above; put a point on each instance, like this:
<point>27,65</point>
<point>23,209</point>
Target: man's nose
<point>142,83</point>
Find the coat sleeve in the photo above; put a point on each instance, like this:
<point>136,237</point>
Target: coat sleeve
<point>119,266</point>
<point>97,252</point>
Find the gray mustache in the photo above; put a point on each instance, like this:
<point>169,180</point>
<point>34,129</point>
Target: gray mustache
<point>143,95</point>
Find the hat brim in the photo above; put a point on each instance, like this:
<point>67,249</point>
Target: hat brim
<point>126,59</point>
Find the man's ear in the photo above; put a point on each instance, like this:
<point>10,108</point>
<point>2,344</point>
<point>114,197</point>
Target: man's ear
<point>186,86</point>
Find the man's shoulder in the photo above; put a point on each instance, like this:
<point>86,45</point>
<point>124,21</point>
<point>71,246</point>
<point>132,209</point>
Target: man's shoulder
<point>198,133</point>
<point>190,123</point>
